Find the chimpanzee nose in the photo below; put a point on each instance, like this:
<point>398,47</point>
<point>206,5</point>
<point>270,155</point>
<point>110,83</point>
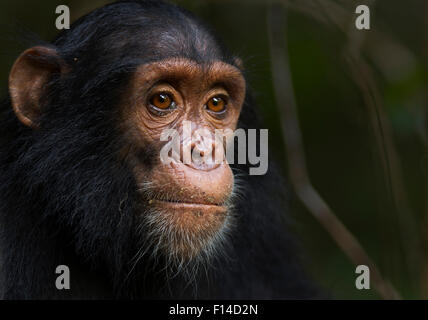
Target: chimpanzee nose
<point>202,154</point>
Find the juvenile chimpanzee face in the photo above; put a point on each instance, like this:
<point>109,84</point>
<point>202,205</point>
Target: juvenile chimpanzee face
<point>184,208</point>
<point>188,202</point>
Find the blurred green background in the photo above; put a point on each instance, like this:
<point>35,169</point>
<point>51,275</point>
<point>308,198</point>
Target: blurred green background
<point>368,161</point>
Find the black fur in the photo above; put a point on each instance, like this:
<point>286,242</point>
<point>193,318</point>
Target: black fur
<point>65,199</point>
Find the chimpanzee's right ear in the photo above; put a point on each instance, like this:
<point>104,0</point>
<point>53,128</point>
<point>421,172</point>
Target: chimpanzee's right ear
<point>28,78</point>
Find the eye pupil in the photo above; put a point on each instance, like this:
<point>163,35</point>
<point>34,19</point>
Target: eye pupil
<point>216,104</point>
<point>161,101</point>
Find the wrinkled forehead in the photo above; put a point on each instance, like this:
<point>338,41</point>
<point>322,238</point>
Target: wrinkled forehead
<point>192,73</point>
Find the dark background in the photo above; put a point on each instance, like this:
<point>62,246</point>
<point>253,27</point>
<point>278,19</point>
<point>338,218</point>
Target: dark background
<point>368,161</point>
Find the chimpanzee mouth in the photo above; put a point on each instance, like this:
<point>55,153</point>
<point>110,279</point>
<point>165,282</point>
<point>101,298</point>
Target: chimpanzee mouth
<point>187,203</point>
<point>193,210</point>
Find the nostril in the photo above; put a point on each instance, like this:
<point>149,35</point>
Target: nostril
<point>213,148</point>
<point>201,154</point>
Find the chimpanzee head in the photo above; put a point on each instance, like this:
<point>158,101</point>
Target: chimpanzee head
<point>92,109</point>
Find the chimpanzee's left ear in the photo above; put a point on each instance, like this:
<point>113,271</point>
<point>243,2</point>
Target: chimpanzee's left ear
<point>28,78</point>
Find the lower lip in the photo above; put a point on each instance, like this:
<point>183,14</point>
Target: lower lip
<point>199,207</point>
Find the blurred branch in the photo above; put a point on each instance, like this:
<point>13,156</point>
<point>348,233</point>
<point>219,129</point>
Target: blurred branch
<point>332,13</point>
<point>296,158</point>
<point>363,77</point>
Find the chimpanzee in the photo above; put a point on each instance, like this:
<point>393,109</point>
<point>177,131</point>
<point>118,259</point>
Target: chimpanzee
<point>82,183</point>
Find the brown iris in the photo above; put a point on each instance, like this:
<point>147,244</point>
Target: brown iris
<point>161,101</point>
<point>216,104</point>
